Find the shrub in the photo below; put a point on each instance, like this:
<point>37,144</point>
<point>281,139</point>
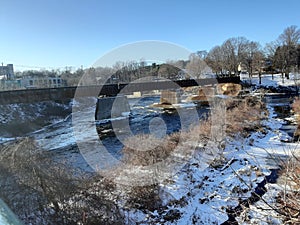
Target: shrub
<point>296,106</point>
<point>296,109</point>
<point>146,149</point>
<point>244,115</point>
<point>289,198</point>
<point>33,183</point>
<point>241,116</point>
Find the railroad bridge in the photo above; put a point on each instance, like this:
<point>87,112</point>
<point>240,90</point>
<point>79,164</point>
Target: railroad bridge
<point>107,91</point>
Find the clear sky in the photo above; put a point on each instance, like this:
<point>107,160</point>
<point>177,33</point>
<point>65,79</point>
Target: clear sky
<point>59,33</point>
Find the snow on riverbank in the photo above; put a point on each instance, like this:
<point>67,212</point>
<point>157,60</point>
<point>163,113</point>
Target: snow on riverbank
<point>208,187</point>
<point>264,149</point>
<point>203,196</point>
<point>198,195</point>
<point>268,80</point>
<point>268,151</point>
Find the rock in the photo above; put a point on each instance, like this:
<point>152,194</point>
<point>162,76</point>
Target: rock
<point>297,133</point>
<point>204,94</point>
<point>230,89</point>
<point>172,215</point>
<point>169,97</point>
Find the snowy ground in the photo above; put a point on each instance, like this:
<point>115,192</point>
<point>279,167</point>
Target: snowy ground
<point>266,152</point>
<point>198,196</point>
<point>268,81</point>
<point>207,188</point>
<point>201,196</point>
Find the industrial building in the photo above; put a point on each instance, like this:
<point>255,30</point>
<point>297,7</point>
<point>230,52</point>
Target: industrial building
<point>7,72</point>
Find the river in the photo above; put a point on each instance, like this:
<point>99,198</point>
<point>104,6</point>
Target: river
<point>55,132</point>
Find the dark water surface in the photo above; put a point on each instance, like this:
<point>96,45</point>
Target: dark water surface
<point>56,133</point>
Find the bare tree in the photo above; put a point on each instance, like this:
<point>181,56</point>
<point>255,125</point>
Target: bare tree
<point>286,53</point>
<point>290,36</point>
<point>270,50</point>
<point>227,57</point>
<point>234,51</point>
<point>196,66</point>
<point>181,64</point>
<point>253,58</point>
<point>215,59</point>
<point>90,77</point>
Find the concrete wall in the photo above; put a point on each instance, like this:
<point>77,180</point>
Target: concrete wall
<point>36,95</point>
<point>46,94</point>
<point>111,107</point>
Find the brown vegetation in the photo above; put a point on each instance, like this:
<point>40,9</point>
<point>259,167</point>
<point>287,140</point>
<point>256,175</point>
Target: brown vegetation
<point>32,182</point>
<point>28,169</point>
<point>296,109</point>
<point>41,190</point>
<point>289,198</point>
<point>241,117</point>
<point>229,89</point>
<point>146,150</point>
<point>244,115</point>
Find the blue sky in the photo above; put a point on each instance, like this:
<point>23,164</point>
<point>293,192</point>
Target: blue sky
<point>59,33</point>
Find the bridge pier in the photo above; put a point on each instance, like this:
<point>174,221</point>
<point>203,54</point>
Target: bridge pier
<point>204,95</point>
<point>170,97</point>
<point>111,107</point>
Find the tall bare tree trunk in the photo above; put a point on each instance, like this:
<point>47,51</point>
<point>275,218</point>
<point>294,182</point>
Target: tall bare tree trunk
<point>282,76</point>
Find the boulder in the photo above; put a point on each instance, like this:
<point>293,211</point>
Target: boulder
<point>229,89</point>
<point>169,97</point>
<point>204,94</point>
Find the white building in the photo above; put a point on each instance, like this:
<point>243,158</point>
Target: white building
<point>7,72</point>
<point>42,82</point>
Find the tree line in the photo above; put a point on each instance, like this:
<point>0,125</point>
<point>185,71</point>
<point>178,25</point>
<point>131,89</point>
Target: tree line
<point>281,55</point>
<point>233,56</point>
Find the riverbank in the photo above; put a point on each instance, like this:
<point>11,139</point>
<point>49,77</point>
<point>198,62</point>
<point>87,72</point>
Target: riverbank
<point>240,189</point>
<point>280,202</point>
<point>214,184</point>
<point>209,184</point>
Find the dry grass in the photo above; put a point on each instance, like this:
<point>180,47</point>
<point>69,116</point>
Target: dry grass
<point>34,171</point>
<point>296,109</point>
<point>146,149</point>
<point>140,151</point>
<point>242,117</point>
<point>289,198</point>
<point>38,188</point>
<point>296,106</point>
